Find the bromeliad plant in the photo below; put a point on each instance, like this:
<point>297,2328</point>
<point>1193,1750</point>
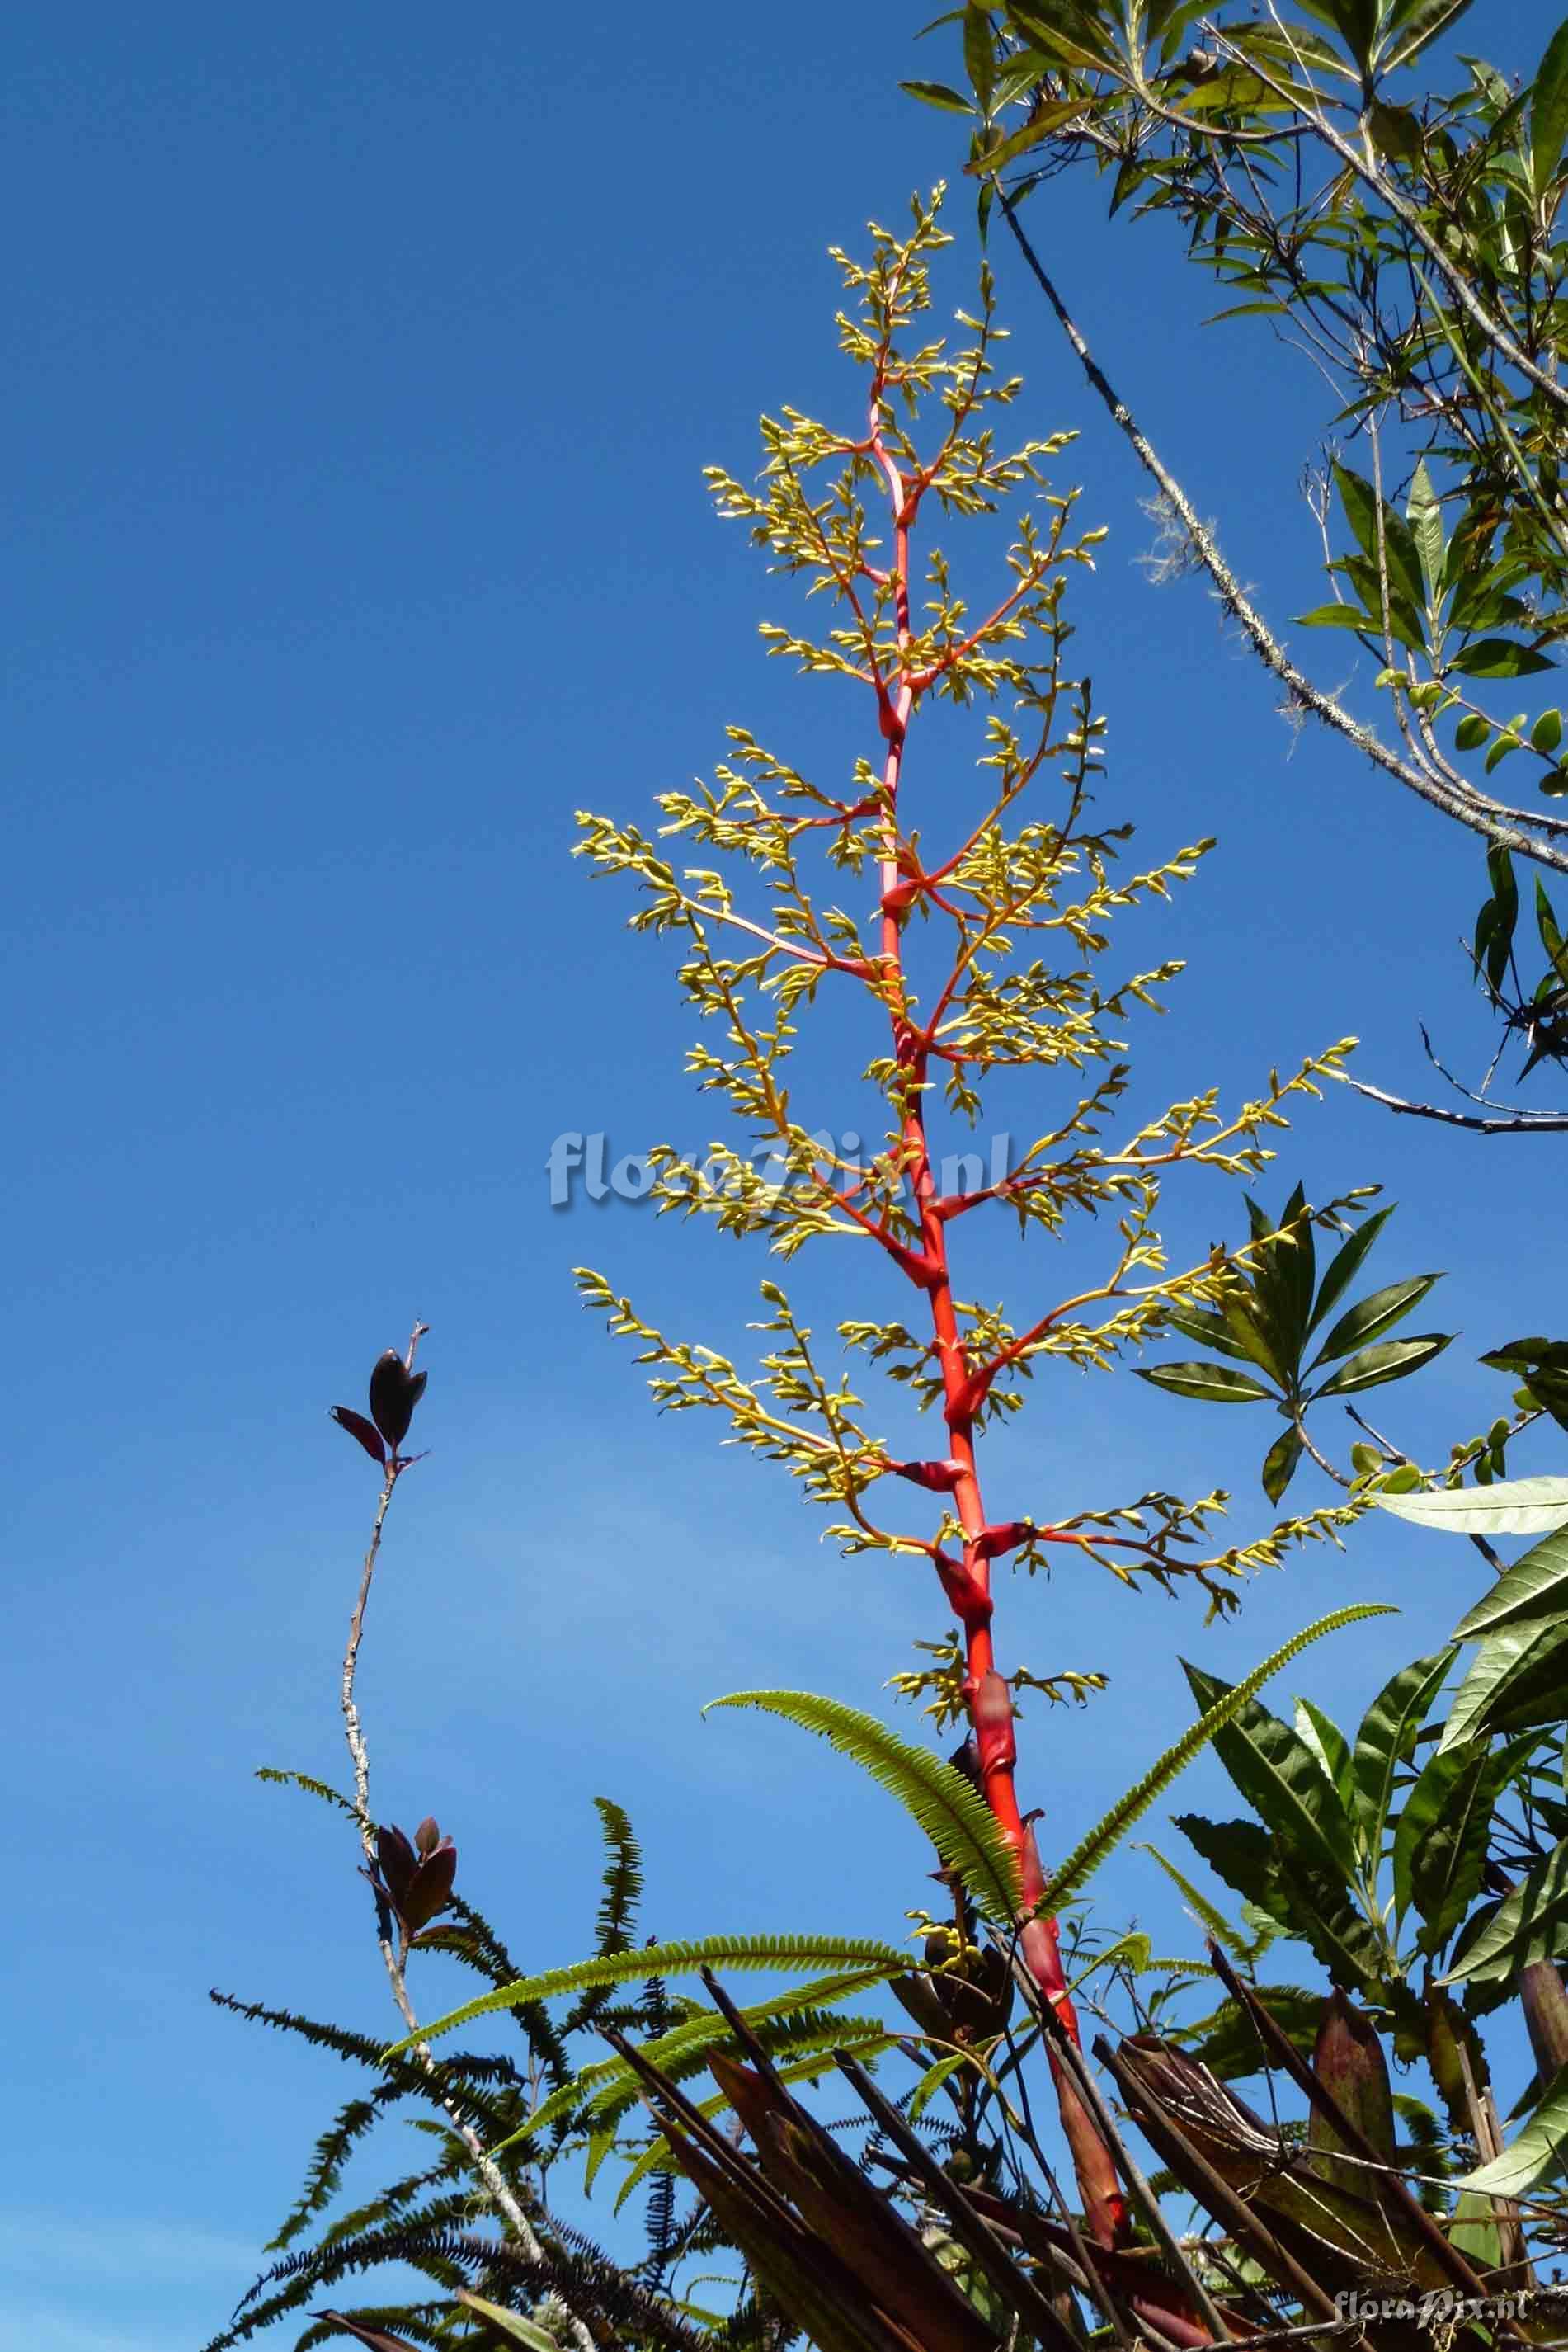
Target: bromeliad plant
<point>983,954</point>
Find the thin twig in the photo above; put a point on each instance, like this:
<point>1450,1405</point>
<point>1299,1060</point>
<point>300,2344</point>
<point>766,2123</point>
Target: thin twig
<point>394,1949</point>
<point>1470,809</point>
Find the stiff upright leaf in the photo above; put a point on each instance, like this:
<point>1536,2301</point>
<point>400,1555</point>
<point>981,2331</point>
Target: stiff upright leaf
<point>1537,2154</point>
<point>1530,1924</point>
<point>1346,1265</point>
<point>1280,1775</point>
<point>1387,1739</point>
<point>1230,1704</point>
<point>1440,1844</point>
<point>1515,1664</point>
<point>1549,111</point>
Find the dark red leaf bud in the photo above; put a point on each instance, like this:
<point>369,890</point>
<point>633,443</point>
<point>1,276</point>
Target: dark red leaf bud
<point>398,1863</point>
<point>426,1837</point>
<point>395,1392</point>
<point>430,1889</point>
<point>358,1426</point>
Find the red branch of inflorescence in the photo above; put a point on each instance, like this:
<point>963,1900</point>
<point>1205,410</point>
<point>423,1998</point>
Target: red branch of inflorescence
<point>966,1581</point>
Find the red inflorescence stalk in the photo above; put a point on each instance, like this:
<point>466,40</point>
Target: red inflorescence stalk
<point>966,1582</point>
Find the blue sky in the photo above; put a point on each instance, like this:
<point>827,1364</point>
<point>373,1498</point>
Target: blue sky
<point>360,369</point>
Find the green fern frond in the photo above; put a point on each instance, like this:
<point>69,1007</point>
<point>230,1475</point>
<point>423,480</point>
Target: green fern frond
<point>327,1795</point>
<point>782,1952</point>
<point>1108,1834</point>
<point>957,1820</point>
<point>622,1879</point>
<point>330,2154</point>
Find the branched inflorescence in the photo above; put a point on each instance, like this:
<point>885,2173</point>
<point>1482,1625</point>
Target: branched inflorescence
<point>981,954</point>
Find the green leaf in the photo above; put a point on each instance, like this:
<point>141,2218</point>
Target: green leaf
<point>1346,1265</point>
<point>1279,1463</point>
<point>1337,616</point>
<point>1389,1359</point>
<point>1279,1775</point>
<point>1547,732</point>
<point>1521,1661</point>
<point>1535,1586</point>
<point>957,1821</point>
<point>507,2322</point>
<point>1402,560</point>
<point>1373,1315</point>
<point>1387,1738</point>
<point>1549,111</point>
<point>1508,1507</point>
<point>1440,1844</point>
<point>1228,2043</point>
<point>1209,1383</point>
<point>1330,1745</point>
<point>1537,2154</point>
<point>782,1952</point>
<point>1230,1703</point>
<point>1471,732</point>
<point>1497,658</point>
<point>1414,22</point>
<point>1425,516</point>
<point>1039,126</point>
<point>936,93</point>
<point>1240,1853</point>
<point>1211,1330</point>
<point>1528,1925</point>
<point>979,53</point>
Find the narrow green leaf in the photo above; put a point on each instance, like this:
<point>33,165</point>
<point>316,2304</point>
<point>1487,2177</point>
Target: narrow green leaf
<point>1239,1852</point>
<point>1209,1383</point>
<point>1440,1844</point>
<point>1549,111</point>
<point>1373,1315</point>
<point>1389,1359</point>
<point>1537,2154</point>
<point>1346,1265</point>
<point>979,53</point>
<point>1509,1664</point>
<point>1535,1586</point>
<point>1229,1704</point>
<point>1508,1507</point>
<point>1279,1774</point>
<point>1211,1330</point>
<point>1323,1737</point>
<point>1387,1738</point>
<point>1424,514</point>
<point>1360,501</point>
<point>507,2322</point>
<point>1497,658</point>
<point>936,93</point>
<point>1528,1925</point>
<point>1279,1463</point>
